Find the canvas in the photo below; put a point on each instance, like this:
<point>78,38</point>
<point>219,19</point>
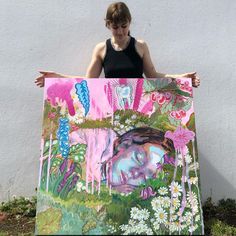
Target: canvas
<point>119,156</point>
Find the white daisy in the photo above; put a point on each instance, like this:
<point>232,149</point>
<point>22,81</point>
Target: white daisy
<point>117,117</point>
<point>197,218</point>
<point>192,229</point>
<point>187,218</point>
<point>194,166</point>
<point>174,226</point>
<point>194,180</point>
<point>116,123</point>
<point>163,191</point>
<point>133,117</point>
<point>175,189</point>
<point>173,217</point>
<point>166,202</point>
<point>137,214</point>
<point>180,160</point>
<point>156,225</point>
<point>188,158</point>
<point>156,203</point>
<point>128,121</point>
<point>145,214</point>
<point>193,200</point>
<point>161,216</point>
<point>176,203</point>
<point>79,186</point>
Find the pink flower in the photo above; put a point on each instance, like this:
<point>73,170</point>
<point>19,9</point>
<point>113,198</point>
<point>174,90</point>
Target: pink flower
<point>51,115</point>
<point>180,137</point>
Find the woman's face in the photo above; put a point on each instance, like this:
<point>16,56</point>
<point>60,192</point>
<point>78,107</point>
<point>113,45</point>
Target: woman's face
<point>119,31</point>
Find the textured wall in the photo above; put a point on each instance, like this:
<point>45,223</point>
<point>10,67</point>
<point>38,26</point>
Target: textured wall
<point>59,35</point>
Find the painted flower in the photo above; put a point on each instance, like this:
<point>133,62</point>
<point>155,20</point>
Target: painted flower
<point>188,216</point>
<point>145,214</point>
<point>117,117</point>
<point>161,216</point>
<point>116,123</point>
<point>174,226</point>
<point>180,137</point>
<point>80,187</point>
<point>51,115</point>
<point>156,203</point>
<point>166,202</point>
<point>137,214</point>
<point>194,180</point>
<point>176,203</point>
<point>134,213</point>
<point>159,166</point>
<point>168,160</point>
<point>176,189</point>
<point>194,166</point>
<point>147,193</point>
<point>156,225</point>
<point>192,229</point>
<point>128,121</point>
<point>188,158</point>
<point>163,191</point>
<point>197,218</point>
<point>173,217</point>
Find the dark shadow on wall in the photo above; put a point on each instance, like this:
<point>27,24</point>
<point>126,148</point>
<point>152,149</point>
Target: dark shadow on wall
<point>213,183</point>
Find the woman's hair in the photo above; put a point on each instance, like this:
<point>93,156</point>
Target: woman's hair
<point>117,13</point>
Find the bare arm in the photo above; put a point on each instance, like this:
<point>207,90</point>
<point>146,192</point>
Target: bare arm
<point>150,71</point>
<point>149,68</point>
<point>93,70</point>
<point>95,66</point>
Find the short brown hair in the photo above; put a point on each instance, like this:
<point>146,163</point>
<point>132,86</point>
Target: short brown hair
<point>117,13</point>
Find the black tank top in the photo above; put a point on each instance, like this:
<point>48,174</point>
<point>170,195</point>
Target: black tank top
<point>122,64</point>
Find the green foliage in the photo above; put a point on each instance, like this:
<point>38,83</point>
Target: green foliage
<point>160,121</point>
<point>49,221</point>
<point>191,123</point>
<point>127,114</point>
<point>163,86</point>
<point>92,124</point>
<point>220,219</point>
<point>155,183</point>
<point>151,85</point>
<point>219,228</point>
<point>77,153</point>
<point>91,224</point>
<point>20,206</point>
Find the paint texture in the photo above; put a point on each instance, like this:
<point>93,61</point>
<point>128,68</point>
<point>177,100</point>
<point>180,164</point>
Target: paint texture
<point>119,156</point>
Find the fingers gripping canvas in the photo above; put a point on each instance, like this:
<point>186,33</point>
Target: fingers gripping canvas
<point>119,156</point>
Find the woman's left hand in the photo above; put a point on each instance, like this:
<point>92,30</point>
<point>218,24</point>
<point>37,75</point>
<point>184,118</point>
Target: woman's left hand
<point>194,77</point>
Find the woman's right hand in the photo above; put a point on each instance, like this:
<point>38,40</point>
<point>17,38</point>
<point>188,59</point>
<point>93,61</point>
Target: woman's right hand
<point>45,74</point>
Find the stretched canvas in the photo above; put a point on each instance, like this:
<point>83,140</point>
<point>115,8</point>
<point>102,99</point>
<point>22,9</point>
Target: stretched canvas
<point>119,156</point>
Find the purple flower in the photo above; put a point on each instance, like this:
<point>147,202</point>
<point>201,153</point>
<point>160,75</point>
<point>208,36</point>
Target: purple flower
<point>180,137</point>
<point>169,160</point>
<point>159,166</point>
<point>147,193</point>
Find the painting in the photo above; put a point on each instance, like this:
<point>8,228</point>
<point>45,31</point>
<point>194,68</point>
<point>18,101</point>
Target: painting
<point>119,156</point>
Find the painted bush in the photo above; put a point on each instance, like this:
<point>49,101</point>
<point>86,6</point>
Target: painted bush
<point>119,156</point>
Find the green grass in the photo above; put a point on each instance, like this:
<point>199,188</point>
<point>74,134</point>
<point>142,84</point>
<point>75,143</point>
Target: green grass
<point>219,218</point>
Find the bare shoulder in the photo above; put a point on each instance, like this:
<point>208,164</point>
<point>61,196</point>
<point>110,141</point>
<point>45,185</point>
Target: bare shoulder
<point>100,49</point>
<point>141,47</point>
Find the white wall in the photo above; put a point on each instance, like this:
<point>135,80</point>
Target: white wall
<point>59,35</point>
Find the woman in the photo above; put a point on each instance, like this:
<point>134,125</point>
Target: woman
<point>122,56</point>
